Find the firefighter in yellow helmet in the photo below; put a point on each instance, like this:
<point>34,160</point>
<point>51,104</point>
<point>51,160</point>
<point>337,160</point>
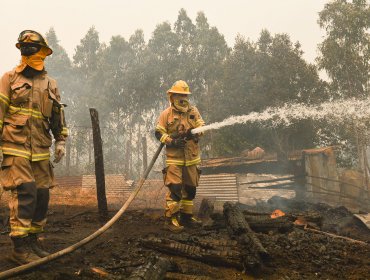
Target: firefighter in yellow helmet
<point>30,107</point>
<point>181,174</point>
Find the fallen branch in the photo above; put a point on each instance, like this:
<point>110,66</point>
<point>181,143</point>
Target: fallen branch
<point>336,236</point>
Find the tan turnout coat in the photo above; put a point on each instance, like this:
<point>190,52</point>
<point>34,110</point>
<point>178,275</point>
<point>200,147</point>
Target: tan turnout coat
<point>29,110</point>
<point>168,124</point>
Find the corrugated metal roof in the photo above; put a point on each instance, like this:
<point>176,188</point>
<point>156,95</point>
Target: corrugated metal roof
<point>221,187</point>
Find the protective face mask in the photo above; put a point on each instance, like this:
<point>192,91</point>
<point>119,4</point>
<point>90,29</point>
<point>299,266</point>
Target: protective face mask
<point>181,104</point>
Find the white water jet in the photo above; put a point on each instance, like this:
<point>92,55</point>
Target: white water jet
<point>340,111</point>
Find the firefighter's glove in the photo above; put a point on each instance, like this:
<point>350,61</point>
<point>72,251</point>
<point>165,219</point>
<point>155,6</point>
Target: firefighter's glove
<point>60,150</point>
<point>191,136</point>
<point>178,143</point>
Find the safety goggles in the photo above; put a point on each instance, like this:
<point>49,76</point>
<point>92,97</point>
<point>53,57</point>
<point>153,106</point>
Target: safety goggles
<point>30,36</point>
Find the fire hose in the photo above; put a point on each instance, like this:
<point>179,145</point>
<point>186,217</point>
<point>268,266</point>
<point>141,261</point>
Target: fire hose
<point>70,249</point>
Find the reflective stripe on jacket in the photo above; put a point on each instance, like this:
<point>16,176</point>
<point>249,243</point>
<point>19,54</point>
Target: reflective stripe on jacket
<point>29,110</point>
<point>168,124</point>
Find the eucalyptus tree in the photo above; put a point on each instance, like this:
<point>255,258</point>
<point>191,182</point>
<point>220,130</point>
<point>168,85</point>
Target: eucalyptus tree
<point>86,76</point>
<point>345,51</point>
<point>269,72</point>
<point>345,56</point>
<point>164,62</point>
<point>60,68</point>
<point>210,52</point>
<point>185,30</point>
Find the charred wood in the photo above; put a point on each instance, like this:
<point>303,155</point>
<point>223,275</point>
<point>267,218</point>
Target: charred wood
<point>155,269</point>
<point>179,276</point>
<point>238,227</point>
<point>207,243</point>
<point>225,257</point>
<point>206,209</point>
<point>265,224</point>
<point>308,216</point>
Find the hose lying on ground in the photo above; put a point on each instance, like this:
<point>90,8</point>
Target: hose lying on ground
<point>70,249</point>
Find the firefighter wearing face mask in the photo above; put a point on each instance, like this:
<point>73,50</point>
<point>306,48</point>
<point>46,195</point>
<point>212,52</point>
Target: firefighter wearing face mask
<point>181,175</point>
<point>30,108</point>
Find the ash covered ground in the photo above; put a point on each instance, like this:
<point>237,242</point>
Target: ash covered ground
<point>294,253</point>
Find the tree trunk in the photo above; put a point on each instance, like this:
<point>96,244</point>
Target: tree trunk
<point>130,154</point>
<point>138,147</point>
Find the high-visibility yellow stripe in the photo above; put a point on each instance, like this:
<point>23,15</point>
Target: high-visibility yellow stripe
<point>186,202</point>
<point>26,112</point>
<point>36,230</point>
<point>194,161</point>
<point>24,229</point>
<point>4,99</point>
<point>65,131</point>
<point>160,128</point>
<point>1,124</point>
<point>16,152</point>
<point>19,231</point>
<point>164,137</point>
<point>2,95</point>
<point>171,202</point>
<point>174,162</point>
<point>40,157</point>
<point>181,162</point>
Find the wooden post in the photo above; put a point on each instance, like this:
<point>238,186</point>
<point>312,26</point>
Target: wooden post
<point>145,153</point>
<point>99,164</point>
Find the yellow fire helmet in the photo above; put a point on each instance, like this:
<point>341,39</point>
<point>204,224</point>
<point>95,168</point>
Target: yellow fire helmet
<point>180,87</point>
<point>30,36</point>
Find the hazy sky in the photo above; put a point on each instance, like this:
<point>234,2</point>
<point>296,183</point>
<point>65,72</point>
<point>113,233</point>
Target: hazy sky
<point>72,19</point>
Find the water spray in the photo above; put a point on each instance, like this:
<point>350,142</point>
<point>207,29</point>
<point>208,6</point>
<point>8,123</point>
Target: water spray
<point>341,111</point>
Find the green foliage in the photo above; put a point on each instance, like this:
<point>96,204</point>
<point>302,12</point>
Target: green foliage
<point>345,52</point>
<point>345,56</point>
<point>265,74</point>
<point>127,80</point>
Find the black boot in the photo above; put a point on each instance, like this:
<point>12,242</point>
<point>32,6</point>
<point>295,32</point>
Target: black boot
<point>36,246</point>
<point>22,252</point>
<point>189,221</point>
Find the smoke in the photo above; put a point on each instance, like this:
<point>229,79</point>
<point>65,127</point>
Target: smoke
<point>338,112</point>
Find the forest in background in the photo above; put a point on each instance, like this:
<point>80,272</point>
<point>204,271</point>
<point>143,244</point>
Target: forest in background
<point>126,81</point>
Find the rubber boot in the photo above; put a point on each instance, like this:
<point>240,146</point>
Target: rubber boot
<point>172,224</point>
<point>189,221</point>
<point>22,252</point>
<point>36,246</point>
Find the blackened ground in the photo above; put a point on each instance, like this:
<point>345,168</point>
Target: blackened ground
<point>295,255</point>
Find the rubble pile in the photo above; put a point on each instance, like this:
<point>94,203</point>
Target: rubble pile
<point>300,241</point>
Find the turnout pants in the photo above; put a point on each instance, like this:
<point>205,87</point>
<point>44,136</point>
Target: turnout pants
<point>182,182</point>
<point>29,183</point>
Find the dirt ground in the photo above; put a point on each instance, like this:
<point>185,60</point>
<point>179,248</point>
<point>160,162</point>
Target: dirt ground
<point>118,252</point>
